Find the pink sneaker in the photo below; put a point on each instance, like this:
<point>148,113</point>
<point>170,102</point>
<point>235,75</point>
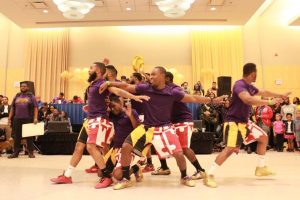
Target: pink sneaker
<point>148,168</point>
<point>93,169</point>
<point>62,179</point>
<point>104,183</point>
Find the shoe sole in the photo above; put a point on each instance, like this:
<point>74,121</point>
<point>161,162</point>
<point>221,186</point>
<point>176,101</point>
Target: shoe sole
<point>166,174</point>
<point>127,186</point>
<point>60,183</point>
<point>259,175</point>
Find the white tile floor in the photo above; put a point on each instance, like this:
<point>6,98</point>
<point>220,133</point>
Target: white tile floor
<point>28,179</point>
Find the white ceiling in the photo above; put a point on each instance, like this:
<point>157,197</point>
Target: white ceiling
<point>144,12</point>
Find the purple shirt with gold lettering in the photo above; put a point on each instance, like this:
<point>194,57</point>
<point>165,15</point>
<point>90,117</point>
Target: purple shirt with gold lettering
<point>23,105</point>
<point>96,101</point>
<point>157,110</point>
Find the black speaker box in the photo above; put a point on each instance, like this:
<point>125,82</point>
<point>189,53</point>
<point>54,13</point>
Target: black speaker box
<point>202,143</point>
<point>224,85</point>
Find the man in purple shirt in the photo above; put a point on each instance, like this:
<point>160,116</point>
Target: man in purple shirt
<point>24,110</point>
<point>182,120</point>
<point>100,130</point>
<point>236,127</point>
<point>157,129</point>
<point>125,120</point>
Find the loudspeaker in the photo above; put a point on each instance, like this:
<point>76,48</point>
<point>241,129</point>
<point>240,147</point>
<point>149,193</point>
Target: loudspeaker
<point>224,85</point>
<point>202,143</point>
<point>30,85</point>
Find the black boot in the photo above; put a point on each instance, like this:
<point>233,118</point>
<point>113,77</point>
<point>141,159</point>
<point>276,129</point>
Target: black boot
<point>14,155</point>
<point>31,155</point>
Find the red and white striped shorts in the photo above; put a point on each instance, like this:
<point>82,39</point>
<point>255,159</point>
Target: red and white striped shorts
<point>184,132</point>
<point>165,141</point>
<point>100,131</point>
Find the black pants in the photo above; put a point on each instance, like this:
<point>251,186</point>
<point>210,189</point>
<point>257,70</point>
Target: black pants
<point>279,141</point>
<point>17,134</point>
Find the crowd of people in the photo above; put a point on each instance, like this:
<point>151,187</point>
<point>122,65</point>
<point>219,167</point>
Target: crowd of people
<point>157,115</point>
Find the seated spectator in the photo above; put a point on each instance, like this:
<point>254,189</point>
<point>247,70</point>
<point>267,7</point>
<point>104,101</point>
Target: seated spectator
<point>185,87</point>
<point>77,100</point>
<point>1,97</point>
<point>54,116</point>
<point>224,110</point>
<point>60,99</point>
<point>208,113</point>
<point>123,79</point>
<point>51,108</point>
<point>296,102</point>
<point>39,102</point>
<point>44,113</point>
<point>213,88</point>
<point>198,90</point>
<point>288,107</point>
<point>64,116</point>
<point>4,112</point>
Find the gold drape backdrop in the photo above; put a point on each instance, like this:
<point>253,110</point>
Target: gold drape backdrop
<point>46,58</point>
<point>216,53</point>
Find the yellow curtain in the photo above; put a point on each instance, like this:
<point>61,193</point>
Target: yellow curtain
<point>46,58</point>
<point>216,53</point>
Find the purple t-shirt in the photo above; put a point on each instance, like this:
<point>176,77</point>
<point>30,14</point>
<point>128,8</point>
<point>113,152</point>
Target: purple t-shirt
<point>96,101</point>
<point>157,111</point>
<point>239,111</point>
<point>23,105</point>
<point>123,127</point>
<point>180,111</point>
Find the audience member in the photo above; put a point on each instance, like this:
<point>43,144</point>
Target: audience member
<point>185,87</point>
<point>278,130</point>
<point>297,129</point>
<point>4,112</point>
<point>123,79</point>
<point>77,100</point>
<point>64,116</point>
<point>198,89</point>
<point>296,102</point>
<point>209,116</point>
<point>213,89</point>
<point>39,102</point>
<point>60,99</point>
<point>263,116</point>
<point>44,113</point>
<point>289,131</point>
<point>1,97</point>
<point>54,116</point>
<point>288,108</point>
<point>51,108</point>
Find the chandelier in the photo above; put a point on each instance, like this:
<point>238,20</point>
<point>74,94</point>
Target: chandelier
<point>174,8</point>
<point>74,9</point>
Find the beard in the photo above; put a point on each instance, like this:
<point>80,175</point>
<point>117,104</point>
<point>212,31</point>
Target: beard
<point>132,82</point>
<point>92,77</point>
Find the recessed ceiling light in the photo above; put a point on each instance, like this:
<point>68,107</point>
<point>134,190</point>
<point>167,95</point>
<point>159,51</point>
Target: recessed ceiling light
<point>128,9</point>
<point>45,11</point>
<point>213,8</point>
